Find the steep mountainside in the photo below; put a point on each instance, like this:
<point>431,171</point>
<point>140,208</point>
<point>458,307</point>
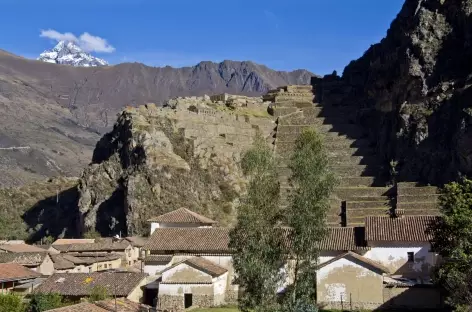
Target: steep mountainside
<point>57,112</point>
<point>413,91</point>
<point>157,159</point>
<point>67,53</point>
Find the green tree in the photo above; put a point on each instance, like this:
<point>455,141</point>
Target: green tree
<point>92,234</point>
<point>98,293</point>
<point>258,254</point>
<point>11,303</point>
<point>306,215</point>
<point>44,302</point>
<point>453,241</point>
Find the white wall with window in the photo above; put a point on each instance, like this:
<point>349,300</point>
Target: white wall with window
<point>412,259</point>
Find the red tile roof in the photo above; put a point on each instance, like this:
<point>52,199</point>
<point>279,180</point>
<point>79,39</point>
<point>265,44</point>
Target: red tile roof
<point>14,271</point>
<point>344,238</point>
<point>182,215</point>
<point>403,229</point>
<point>80,307</point>
<point>189,240</point>
<point>81,284</point>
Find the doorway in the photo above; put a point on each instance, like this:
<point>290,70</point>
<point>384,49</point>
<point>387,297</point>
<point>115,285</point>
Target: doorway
<point>187,300</point>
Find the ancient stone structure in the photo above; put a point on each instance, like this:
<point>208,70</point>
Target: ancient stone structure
<point>363,190</point>
<point>183,154</point>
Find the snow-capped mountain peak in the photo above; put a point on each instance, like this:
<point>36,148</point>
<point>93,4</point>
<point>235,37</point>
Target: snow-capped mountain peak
<point>67,52</point>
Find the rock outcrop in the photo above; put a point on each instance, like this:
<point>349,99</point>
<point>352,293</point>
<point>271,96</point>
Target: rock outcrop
<point>412,91</point>
<point>158,159</point>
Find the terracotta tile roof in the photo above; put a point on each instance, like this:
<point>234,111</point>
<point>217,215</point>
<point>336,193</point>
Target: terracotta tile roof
<point>90,247</point>
<point>158,258</point>
<point>189,239</point>
<point>198,263</point>
<point>69,241</point>
<point>206,266</point>
<point>61,263</point>
<point>182,215</point>
<point>80,284</point>
<point>80,307</point>
<point>357,258</point>
<point>337,238</point>
<point>123,305</point>
<point>344,238</point>
<point>71,260</point>
<point>23,258</point>
<point>404,229</point>
<point>14,271</point>
<point>20,248</point>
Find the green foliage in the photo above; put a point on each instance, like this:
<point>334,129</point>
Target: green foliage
<point>453,241</point>
<point>98,293</point>
<point>299,306</point>
<point>44,302</point>
<point>11,303</point>
<point>306,214</point>
<point>258,253</point>
<point>92,234</point>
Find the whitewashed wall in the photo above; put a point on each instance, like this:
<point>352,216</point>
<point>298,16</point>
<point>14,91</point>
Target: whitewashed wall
<point>154,269</point>
<point>395,257</point>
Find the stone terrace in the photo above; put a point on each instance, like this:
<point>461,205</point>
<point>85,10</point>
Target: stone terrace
<point>362,191</point>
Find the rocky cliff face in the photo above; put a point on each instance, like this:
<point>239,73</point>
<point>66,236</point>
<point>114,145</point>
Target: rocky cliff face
<point>413,91</point>
<point>159,159</point>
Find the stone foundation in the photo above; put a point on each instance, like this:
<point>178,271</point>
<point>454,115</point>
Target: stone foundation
<point>171,303</point>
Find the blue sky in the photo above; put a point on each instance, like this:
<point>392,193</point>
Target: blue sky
<point>318,35</point>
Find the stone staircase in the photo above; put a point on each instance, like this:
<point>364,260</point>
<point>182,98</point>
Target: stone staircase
<point>361,191</point>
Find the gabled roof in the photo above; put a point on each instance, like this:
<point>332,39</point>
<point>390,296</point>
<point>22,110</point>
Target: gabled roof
<point>15,272</point>
<point>23,258</point>
<point>402,229</point>
<point>201,264</point>
<point>20,248</point>
<point>69,241</point>
<point>189,239</point>
<point>81,284</point>
<point>357,258</point>
<point>182,215</point>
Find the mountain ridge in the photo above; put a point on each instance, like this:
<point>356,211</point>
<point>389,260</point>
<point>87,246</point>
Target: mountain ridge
<point>61,110</point>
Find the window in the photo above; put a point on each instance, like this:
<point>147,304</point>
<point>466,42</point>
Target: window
<point>411,256</point>
<point>105,265</point>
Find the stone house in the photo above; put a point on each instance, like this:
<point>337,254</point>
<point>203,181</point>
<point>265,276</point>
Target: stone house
<point>77,286</point>
<point>13,275</point>
<point>39,262</point>
<point>179,240</point>
<point>137,244</point>
<point>192,282</point>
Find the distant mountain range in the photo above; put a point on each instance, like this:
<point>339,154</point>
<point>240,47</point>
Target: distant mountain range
<point>57,112</point>
<point>68,53</point>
